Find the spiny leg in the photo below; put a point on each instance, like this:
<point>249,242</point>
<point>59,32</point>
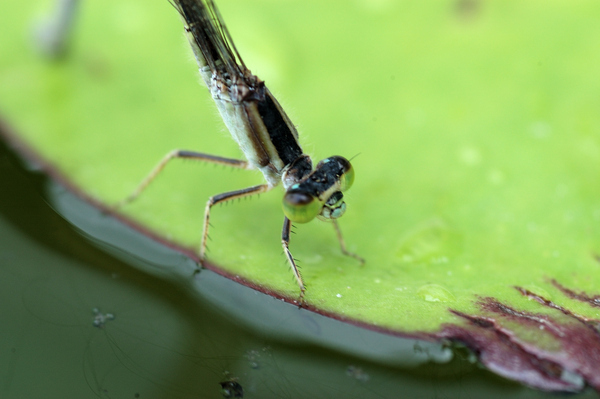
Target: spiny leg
<point>345,251</point>
<point>285,241</point>
<point>214,200</point>
<point>235,163</point>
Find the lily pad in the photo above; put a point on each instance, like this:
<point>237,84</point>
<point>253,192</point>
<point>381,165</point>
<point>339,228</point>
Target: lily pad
<point>476,201</point>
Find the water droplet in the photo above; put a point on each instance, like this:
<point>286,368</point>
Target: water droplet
<point>472,358</point>
<point>357,373</point>
<point>100,318</point>
<point>562,190</point>
<point>496,177</point>
<point>253,357</point>
<point>431,241</point>
<point>416,117</point>
<point>339,295</point>
<point>532,226</point>
<point>314,259</point>
<point>231,389</point>
<point>540,129</point>
<point>470,156</point>
<point>435,293</point>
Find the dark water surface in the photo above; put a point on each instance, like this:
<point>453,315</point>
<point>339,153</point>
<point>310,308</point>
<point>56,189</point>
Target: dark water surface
<point>90,308</point>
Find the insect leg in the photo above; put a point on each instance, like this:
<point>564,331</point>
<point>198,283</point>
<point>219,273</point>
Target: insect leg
<point>216,199</point>
<point>181,154</point>
<point>285,241</point>
<point>345,251</point>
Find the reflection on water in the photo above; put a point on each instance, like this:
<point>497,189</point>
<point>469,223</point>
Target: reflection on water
<point>80,321</point>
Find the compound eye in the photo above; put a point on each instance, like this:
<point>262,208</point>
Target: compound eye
<point>300,207</point>
<point>343,170</point>
<point>347,178</point>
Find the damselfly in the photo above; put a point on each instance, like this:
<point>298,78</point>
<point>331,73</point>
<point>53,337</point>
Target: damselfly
<point>263,131</point>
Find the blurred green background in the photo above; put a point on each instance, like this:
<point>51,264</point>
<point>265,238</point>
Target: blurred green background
<point>475,124</point>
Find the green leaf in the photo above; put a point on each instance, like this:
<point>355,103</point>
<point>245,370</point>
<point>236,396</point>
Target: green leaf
<point>476,128</point>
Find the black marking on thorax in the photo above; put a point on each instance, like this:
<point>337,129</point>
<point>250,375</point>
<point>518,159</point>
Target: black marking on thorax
<point>283,139</point>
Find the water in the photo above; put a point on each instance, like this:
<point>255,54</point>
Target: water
<point>90,308</point>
